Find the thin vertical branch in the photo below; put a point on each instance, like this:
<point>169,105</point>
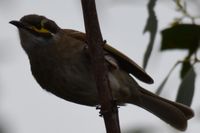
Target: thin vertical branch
<point>95,42</point>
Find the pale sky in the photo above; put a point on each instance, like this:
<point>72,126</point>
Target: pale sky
<point>26,108</point>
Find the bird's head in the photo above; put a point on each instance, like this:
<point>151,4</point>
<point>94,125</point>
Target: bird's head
<point>36,31</point>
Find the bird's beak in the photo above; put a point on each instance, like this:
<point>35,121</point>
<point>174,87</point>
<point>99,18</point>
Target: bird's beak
<point>18,24</point>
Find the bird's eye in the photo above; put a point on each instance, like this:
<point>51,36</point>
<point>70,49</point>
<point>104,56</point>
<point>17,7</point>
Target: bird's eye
<point>43,22</point>
<point>42,28</point>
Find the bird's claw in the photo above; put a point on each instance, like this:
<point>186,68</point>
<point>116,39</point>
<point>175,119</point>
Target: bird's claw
<point>103,112</point>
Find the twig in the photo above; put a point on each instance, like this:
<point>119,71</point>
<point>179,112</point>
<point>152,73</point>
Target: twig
<point>94,38</point>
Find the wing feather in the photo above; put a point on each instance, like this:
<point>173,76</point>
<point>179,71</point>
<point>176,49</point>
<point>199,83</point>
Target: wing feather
<point>124,62</point>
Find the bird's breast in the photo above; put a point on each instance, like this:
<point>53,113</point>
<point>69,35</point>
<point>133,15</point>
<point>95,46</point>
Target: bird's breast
<point>68,78</point>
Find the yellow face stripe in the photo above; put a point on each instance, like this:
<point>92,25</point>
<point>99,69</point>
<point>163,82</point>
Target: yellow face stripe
<point>42,30</point>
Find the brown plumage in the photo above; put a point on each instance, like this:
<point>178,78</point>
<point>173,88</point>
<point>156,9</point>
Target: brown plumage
<point>61,65</point>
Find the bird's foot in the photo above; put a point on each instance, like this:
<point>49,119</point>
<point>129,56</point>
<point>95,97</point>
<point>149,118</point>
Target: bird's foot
<point>114,108</point>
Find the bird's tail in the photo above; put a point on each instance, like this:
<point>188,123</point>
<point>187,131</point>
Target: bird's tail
<point>175,114</point>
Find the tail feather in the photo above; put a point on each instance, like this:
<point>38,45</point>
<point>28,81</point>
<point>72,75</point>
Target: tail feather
<point>185,109</point>
<point>172,113</point>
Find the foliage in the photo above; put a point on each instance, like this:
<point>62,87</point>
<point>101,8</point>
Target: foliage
<point>180,36</point>
<point>151,27</point>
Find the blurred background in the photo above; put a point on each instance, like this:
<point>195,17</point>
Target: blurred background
<point>26,108</point>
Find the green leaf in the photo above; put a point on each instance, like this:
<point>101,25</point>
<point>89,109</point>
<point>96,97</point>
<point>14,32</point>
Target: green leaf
<point>186,89</point>
<point>151,26</point>
<point>181,36</point>
<point>160,88</point>
<point>186,66</point>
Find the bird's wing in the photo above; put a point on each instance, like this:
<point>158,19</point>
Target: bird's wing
<point>124,62</point>
<point>128,64</point>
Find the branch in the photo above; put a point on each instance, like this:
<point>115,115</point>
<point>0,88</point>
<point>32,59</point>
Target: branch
<point>95,43</point>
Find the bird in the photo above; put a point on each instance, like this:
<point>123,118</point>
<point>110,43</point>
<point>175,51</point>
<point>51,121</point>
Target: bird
<point>61,64</point>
